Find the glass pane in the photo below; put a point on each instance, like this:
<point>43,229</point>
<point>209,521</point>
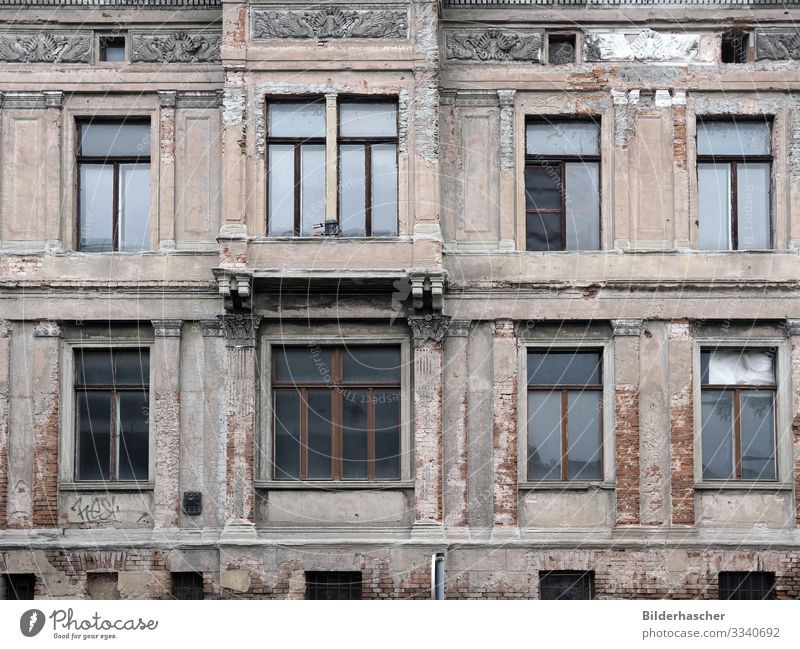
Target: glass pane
<point>94,435</point>
<point>114,50</point>
<point>320,434</point>
<point>564,368</point>
<point>352,190</point>
<point>132,366</point>
<point>544,232</point>
<point>355,433</point>
<point>303,364</point>
<point>372,364</point>
<point>717,440</point>
<point>563,138</point>
<point>752,181</point>
<point>737,367</point>
<point>300,120</point>
<point>543,188</point>
<point>714,194</point>
<point>384,190</point>
<point>733,138</point>
<point>387,434</point>
<point>544,435</point>
<point>287,434</point>
<point>134,207</point>
<point>583,435</point>
<point>93,367</point>
<point>312,188</point>
<point>757,426</point>
<point>582,205</point>
<point>97,207</point>
<point>133,435</point>
<point>361,119</point>
<point>281,190</point>
<point>115,139</point>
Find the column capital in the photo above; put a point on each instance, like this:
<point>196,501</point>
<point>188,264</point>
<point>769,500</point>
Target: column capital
<point>458,328</point>
<point>506,97</point>
<point>240,330</point>
<point>6,327</point>
<point>167,98</point>
<point>428,327</point>
<point>211,328</point>
<point>626,327</point>
<point>167,328</point>
<point>47,329</point>
<point>792,327</point>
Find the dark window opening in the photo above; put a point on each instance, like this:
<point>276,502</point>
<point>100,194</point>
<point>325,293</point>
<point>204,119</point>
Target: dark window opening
<point>561,49</point>
<point>112,48</point>
<point>747,585</point>
<point>333,585</point>
<point>187,585</point>
<point>20,586</point>
<point>735,47</point>
<point>566,584</point>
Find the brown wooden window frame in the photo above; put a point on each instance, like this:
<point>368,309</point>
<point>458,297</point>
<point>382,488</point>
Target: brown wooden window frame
<point>114,425</point>
<point>338,387</point>
<point>535,160</point>
<point>115,162</point>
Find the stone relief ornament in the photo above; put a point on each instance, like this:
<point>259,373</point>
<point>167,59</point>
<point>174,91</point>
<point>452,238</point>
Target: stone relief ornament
<point>493,45</point>
<point>645,45</point>
<point>45,47</point>
<point>330,22</point>
<point>778,46</point>
<point>429,327</point>
<point>175,47</point>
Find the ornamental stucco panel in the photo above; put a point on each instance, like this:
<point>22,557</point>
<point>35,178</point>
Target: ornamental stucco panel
<point>494,45</point>
<point>45,47</point>
<point>329,22</point>
<point>644,45</point>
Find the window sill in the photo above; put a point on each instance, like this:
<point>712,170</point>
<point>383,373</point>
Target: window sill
<point>743,485</point>
<point>576,485</point>
<point>330,485</point>
<point>102,485</point>
<point>342,239</point>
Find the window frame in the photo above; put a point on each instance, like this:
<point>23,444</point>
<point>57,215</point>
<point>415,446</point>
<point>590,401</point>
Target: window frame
<point>782,406</point>
<point>181,586</point>
<point>734,161</point>
<point>115,162</point>
<point>533,160</point>
<point>265,470</point>
<point>68,443</point>
<point>744,575</point>
<point>589,341</point>
<point>319,581</point>
<point>367,142</point>
<point>583,574</point>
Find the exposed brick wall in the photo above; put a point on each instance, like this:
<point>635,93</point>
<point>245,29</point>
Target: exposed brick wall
<point>794,351</point>
<point>5,393</point>
<point>682,423</point>
<point>241,424</point>
<point>45,403</point>
<point>679,135</point>
<point>626,411</point>
<point>504,423</point>
<point>428,422</point>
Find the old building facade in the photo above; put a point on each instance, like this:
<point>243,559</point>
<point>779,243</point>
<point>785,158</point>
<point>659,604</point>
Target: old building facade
<point>298,296</point>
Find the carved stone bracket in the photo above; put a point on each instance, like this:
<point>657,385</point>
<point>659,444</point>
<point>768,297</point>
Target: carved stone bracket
<point>167,328</point>
<point>428,327</point>
<point>330,22</point>
<point>627,327</point>
<point>494,45</point>
<point>240,330</point>
<point>175,47</point>
<point>45,47</point>
<point>236,291</point>
<point>47,328</point>
<point>427,290</point>
<point>778,46</point>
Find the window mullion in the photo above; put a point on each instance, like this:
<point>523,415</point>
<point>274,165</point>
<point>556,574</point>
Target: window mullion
<point>734,208</point>
<point>331,159</point>
<point>338,415</point>
<point>737,434</point>
<point>563,171</point>
<point>371,435</point>
<point>303,434</point>
<point>114,442</point>
<point>368,189</point>
<point>564,436</point>
<point>115,207</point>
<point>298,226</point>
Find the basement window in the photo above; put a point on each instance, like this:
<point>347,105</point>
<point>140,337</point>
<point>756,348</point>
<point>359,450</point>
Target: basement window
<point>187,585</point>
<point>566,584</point>
<point>333,585</point>
<point>747,585</point>
<point>20,586</point>
<point>735,46</point>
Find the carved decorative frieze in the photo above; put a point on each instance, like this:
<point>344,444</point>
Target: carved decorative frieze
<point>626,327</point>
<point>211,328</point>
<point>47,329</point>
<point>493,45</point>
<point>645,45</point>
<point>167,328</point>
<point>330,22</point>
<point>778,46</point>
<point>240,330</point>
<point>45,47</point>
<point>175,47</point>
<point>428,327</point>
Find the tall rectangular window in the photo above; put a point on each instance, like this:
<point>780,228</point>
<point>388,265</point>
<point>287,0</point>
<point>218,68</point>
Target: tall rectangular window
<point>114,185</point>
<point>112,427</point>
<point>562,185</point>
<point>336,413</point>
<point>368,168</point>
<point>565,397</point>
<point>734,170</point>
<point>296,167</point>
<point>738,414</point>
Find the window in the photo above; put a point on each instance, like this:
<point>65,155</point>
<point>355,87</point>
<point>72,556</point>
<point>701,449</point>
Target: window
<point>562,185</point>
<point>566,584</point>
<point>365,141</point>
<point>733,175</point>
<point>102,585</point>
<point>114,186</point>
<point>20,586</point>
<point>112,414</point>
<point>734,47</point>
<point>747,585</point>
<point>738,414</point>
<point>561,49</point>
<point>112,48</point>
<point>368,169</point>
<point>565,396</point>
<point>336,413</point>
<point>187,585</point>
<point>333,585</point>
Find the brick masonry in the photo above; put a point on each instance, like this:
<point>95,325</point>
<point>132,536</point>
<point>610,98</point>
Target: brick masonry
<point>504,423</point>
<point>626,412</point>
<point>682,423</point>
